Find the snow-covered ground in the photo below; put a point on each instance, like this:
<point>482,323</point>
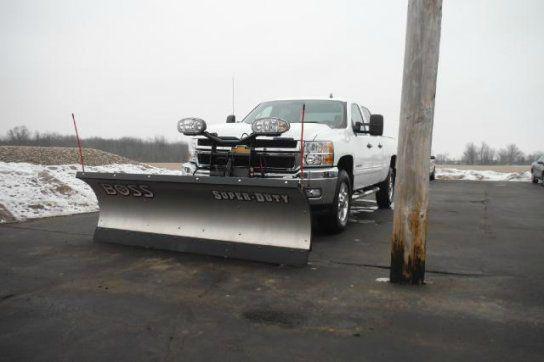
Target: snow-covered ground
<point>30,191</point>
<point>481,175</point>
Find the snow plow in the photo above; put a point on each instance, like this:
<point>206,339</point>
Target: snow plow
<point>231,212</point>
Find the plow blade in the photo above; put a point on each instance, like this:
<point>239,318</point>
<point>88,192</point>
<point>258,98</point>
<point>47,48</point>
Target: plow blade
<point>257,219</point>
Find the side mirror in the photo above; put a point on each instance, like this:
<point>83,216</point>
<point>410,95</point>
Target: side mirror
<point>231,118</point>
<point>376,125</point>
<point>358,127</point>
<point>433,157</point>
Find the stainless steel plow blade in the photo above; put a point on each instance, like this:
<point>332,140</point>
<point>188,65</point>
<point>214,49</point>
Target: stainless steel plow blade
<point>244,218</point>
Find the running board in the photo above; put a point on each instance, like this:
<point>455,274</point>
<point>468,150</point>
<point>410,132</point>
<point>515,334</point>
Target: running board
<point>359,194</point>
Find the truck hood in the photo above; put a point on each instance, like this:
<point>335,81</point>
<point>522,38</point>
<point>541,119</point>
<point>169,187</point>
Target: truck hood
<point>311,130</point>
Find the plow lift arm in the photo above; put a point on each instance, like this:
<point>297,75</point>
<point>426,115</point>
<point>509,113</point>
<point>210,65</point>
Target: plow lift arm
<point>252,218</point>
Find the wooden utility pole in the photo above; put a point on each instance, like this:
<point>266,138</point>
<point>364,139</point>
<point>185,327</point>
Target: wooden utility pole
<point>415,136</point>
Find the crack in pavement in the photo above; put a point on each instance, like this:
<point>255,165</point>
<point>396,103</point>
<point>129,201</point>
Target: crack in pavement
<point>385,267</point>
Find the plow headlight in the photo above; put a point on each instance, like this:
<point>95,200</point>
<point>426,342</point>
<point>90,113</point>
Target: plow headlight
<point>269,126</point>
<point>191,126</point>
<point>318,153</point>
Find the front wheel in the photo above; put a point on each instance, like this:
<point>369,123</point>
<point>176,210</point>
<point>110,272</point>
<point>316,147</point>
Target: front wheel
<point>384,196</point>
<point>533,177</point>
<point>336,219</point>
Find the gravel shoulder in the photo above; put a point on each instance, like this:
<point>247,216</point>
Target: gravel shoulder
<point>59,156</point>
<point>175,166</point>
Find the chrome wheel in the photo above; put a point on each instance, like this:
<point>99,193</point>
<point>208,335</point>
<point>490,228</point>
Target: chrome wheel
<point>343,203</point>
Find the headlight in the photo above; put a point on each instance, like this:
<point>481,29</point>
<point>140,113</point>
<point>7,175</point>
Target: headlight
<point>269,126</point>
<point>191,126</point>
<point>318,153</point>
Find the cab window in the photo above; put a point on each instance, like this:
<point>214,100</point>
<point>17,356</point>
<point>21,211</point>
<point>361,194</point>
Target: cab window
<point>366,114</point>
<point>356,115</point>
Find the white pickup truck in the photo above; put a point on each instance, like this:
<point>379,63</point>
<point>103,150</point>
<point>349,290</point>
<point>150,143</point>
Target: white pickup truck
<point>344,152</point>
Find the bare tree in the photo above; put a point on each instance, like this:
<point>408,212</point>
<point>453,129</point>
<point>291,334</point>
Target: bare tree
<point>530,158</point>
<point>511,154</point>
<point>486,154</point>
<point>470,155</point>
<point>18,135</point>
<point>442,158</point>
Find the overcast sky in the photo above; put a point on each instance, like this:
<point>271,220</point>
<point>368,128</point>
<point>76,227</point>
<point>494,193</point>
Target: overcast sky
<point>136,67</point>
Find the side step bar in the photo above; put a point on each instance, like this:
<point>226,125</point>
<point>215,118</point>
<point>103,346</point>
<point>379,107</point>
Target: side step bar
<point>360,194</point>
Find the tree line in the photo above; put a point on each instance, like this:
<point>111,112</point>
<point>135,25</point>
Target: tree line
<point>487,155</point>
<point>484,154</point>
<point>156,149</point>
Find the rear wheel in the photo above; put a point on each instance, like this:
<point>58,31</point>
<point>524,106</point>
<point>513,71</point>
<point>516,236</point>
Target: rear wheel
<point>433,174</point>
<point>384,196</point>
<point>336,219</point>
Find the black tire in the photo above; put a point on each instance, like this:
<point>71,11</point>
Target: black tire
<point>331,222</point>
<point>533,177</point>
<point>384,196</point>
<point>433,174</point>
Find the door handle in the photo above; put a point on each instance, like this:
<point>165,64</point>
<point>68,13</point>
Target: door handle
<point>380,145</point>
<point>368,145</point>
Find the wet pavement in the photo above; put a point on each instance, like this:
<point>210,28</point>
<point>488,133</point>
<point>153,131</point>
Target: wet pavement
<point>63,297</point>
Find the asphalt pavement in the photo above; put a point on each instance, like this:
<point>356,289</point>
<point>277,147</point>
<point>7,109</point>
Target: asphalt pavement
<point>64,297</point>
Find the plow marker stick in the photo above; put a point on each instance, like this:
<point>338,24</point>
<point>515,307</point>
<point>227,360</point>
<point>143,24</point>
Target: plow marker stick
<point>302,143</point>
<point>78,145</point>
<point>264,220</point>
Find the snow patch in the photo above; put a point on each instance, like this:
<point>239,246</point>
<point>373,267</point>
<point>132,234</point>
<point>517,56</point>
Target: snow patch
<point>481,175</point>
<point>31,191</point>
<point>382,280</point>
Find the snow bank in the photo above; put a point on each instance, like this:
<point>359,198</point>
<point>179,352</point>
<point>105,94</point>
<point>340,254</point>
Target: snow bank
<point>31,191</point>
<point>481,175</point>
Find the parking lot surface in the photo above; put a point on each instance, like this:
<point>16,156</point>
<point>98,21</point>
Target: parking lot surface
<point>63,297</point>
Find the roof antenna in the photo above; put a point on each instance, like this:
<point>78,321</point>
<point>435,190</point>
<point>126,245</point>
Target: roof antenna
<point>233,94</point>
<point>330,96</point>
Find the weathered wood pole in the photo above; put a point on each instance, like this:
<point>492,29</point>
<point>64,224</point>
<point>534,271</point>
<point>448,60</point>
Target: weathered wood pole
<point>415,138</point>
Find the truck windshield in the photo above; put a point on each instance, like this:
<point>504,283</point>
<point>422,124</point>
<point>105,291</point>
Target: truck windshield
<point>331,113</point>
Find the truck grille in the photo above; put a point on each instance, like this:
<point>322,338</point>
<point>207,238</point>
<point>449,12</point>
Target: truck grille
<point>286,161</point>
<point>259,143</point>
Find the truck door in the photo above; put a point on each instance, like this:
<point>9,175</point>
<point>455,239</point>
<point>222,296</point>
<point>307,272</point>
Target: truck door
<point>364,155</point>
<point>381,158</point>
